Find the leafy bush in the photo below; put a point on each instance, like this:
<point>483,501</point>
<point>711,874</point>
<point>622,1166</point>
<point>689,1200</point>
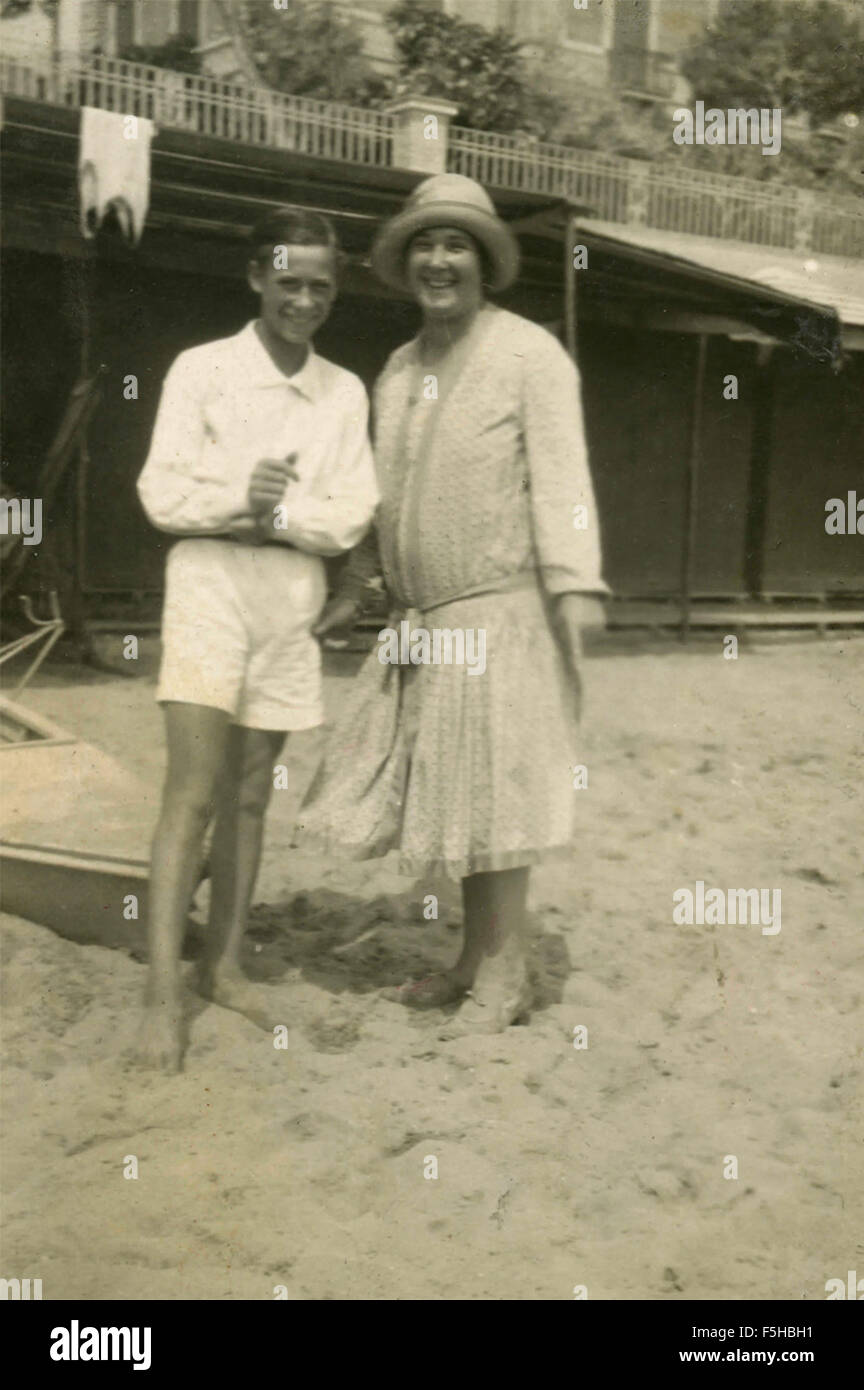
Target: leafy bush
<point>310,49</point>
<point>478,69</point>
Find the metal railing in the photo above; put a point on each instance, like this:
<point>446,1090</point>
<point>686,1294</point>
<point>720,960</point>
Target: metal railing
<point>737,209</point>
<point>204,105</point>
<point>506,161</point>
<point>612,187</point>
<point>654,195</point>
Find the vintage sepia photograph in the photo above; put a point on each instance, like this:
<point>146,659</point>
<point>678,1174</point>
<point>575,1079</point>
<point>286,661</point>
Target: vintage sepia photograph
<point>432,657</point>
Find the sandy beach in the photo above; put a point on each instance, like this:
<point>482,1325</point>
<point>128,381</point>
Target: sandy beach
<point>304,1167</point>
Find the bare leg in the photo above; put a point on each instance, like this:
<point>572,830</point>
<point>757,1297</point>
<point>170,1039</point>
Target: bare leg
<point>492,960</point>
<point>235,857</point>
<point>196,738</point>
<point>493,951</point>
<point>494,906</point>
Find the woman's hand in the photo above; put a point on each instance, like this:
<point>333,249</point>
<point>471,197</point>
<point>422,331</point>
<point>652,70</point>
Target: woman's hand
<point>579,611</point>
<point>573,613</point>
<point>339,614</point>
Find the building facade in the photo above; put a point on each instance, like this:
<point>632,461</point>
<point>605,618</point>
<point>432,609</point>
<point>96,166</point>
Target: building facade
<point>629,44</point>
<point>647,318</point>
<point>632,45</point>
<point>112,26</point>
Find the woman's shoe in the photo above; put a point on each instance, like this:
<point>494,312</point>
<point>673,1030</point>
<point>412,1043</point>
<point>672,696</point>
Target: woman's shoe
<point>433,992</point>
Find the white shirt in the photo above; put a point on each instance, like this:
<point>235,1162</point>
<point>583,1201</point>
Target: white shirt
<point>224,406</point>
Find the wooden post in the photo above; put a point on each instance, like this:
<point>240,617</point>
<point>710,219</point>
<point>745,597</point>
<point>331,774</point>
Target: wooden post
<point>82,470</point>
<point>78,274</point>
<point>692,494</point>
<point>570,287</point>
<point>761,443</point>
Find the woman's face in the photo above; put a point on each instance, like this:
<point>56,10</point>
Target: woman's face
<point>445,272</point>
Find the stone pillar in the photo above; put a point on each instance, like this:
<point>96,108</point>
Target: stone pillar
<point>637,192</point>
<point>421,127</point>
<point>81,26</point>
<point>805,212</point>
<point>169,107</point>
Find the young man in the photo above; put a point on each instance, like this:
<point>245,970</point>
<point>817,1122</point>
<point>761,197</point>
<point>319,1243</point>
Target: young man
<point>260,461</point>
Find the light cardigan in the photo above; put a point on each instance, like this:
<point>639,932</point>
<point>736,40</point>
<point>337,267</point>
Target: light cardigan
<point>224,406</point>
<point>493,483</point>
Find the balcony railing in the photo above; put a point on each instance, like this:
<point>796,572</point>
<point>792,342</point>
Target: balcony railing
<point>653,195</point>
<point>205,105</point>
<point>613,188</point>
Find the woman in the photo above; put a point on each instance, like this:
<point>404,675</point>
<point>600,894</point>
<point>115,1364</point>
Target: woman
<point>482,466</point>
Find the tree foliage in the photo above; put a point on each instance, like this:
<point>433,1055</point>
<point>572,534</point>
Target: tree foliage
<point>309,49</point>
<point>478,69</point>
<point>805,59</point>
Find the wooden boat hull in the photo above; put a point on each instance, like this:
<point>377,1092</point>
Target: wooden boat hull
<point>75,828</point>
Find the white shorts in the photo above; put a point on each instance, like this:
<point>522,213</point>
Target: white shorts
<point>235,632</point>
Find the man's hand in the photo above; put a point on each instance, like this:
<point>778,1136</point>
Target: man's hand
<point>248,530</point>
<point>338,616</point>
<point>268,482</point>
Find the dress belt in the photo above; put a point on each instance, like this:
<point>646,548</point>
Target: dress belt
<point>504,584</point>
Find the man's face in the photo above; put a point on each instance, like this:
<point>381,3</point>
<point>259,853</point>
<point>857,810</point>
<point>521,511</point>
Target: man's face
<point>297,285</point>
<point>444,272</point>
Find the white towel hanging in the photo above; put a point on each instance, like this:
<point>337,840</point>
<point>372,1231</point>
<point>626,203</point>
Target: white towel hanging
<point>114,170</point>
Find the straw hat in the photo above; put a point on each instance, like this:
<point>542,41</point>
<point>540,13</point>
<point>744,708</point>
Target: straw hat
<point>446,200</point>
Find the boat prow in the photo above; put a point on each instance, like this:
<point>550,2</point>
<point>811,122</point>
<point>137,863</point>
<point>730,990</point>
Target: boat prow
<point>74,833</point>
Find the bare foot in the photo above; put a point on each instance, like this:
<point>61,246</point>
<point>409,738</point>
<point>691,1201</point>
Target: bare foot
<point>161,1037</point>
<point>232,990</point>
<point>435,992</point>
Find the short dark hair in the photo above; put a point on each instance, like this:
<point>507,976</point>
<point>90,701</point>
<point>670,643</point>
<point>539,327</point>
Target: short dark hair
<point>293,226</point>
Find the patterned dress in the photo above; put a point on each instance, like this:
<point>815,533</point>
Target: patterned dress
<point>487,512</point>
